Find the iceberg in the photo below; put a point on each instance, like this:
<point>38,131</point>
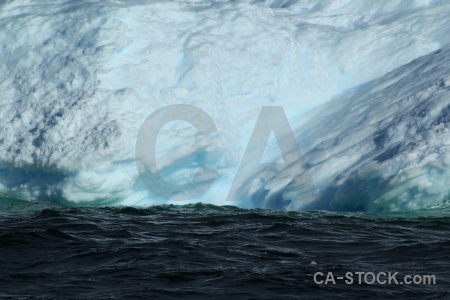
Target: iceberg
<point>78,80</point>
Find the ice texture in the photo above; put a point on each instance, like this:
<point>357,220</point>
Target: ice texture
<point>78,79</point>
<point>383,147</point>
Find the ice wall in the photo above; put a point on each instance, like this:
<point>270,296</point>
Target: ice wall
<point>78,78</point>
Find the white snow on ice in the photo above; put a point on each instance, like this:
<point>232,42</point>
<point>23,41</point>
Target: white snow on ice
<point>78,79</point>
<point>384,147</point>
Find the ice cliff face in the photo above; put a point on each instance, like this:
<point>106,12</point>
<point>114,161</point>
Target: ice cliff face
<point>78,79</point>
<point>383,147</point>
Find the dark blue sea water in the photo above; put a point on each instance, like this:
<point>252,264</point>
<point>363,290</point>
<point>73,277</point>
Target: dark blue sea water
<point>208,252</point>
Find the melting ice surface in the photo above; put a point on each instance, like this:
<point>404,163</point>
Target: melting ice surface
<point>78,79</point>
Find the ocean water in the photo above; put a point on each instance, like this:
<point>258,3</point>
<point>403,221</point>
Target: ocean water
<point>201,251</point>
